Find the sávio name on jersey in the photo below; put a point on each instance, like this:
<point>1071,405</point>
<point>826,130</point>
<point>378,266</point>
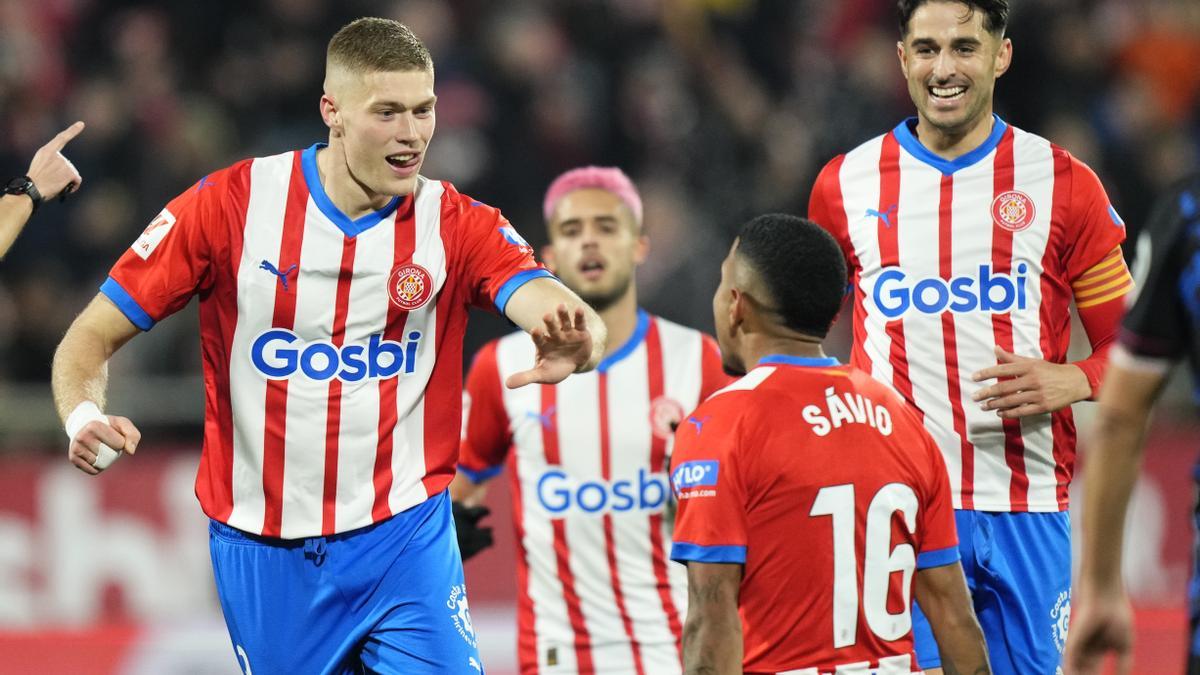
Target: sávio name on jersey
<point>559,493</point>
<point>280,354</point>
<point>844,408</point>
<point>895,292</point>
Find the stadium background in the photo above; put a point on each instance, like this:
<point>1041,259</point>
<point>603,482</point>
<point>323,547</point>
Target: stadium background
<point>719,109</point>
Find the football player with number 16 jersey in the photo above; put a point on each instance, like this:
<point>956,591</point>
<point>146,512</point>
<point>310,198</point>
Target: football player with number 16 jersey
<point>812,503</point>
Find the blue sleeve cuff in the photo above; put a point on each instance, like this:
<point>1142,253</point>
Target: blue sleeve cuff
<point>682,551</point>
<point>938,557</point>
<point>125,302</point>
<point>516,281</point>
<point>482,474</point>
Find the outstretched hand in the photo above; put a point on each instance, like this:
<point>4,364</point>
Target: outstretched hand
<point>51,172</point>
<point>563,344</point>
<point>1029,386</point>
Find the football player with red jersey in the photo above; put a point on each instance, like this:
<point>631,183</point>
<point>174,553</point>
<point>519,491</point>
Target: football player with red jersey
<point>334,284</point>
<point>812,503</point>
<point>967,241</point>
<point>587,457</point>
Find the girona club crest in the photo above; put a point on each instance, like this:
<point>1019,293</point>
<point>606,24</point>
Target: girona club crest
<point>1013,210</point>
<point>665,415</point>
<point>410,286</point>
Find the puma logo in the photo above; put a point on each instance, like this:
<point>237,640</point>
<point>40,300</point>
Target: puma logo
<point>885,215</point>
<point>283,276</point>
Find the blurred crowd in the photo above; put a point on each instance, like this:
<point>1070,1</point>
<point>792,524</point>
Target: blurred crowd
<point>719,109</point>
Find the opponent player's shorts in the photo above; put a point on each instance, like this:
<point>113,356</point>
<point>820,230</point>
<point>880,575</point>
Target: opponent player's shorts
<point>388,598</point>
<point>1018,568</point>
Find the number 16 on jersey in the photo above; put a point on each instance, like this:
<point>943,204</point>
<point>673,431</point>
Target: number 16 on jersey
<point>880,560</point>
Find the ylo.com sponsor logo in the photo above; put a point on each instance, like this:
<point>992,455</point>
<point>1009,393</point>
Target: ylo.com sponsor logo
<point>696,478</point>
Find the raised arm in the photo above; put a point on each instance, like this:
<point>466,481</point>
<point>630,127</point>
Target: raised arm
<point>80,382</point>
<point>942,593</point>
<point>52,175</point>
<point>569,335</point>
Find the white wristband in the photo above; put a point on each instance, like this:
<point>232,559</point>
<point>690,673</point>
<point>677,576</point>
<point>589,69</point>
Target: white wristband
<point>89,412</point>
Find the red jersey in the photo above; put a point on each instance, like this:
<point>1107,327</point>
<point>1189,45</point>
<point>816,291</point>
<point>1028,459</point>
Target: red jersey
<point>950,259</point>
<point>332,347</point>
<point>587,462</point>
<point>824,485</point>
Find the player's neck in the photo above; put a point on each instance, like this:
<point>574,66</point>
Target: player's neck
<point>952,144</point>
<point>348,195</point>
<point>757,347</point>
<point>621,320</point>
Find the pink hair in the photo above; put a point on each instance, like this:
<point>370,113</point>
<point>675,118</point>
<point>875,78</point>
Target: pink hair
<point>606,178</point>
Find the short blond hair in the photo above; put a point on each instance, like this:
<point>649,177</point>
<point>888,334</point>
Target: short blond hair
<point>372,44</point>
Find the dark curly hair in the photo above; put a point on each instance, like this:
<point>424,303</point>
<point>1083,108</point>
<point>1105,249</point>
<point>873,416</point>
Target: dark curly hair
<point>801,266</point>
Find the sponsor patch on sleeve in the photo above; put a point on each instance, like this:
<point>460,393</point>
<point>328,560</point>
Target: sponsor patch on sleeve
<point>514,238</point>
<point>1115,217</point>
<point>697,478</point>
<point>153,234</point>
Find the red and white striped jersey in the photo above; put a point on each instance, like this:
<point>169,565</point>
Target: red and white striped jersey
<point>332,347</point>
<point>588,463</point>
<point>949,259</point>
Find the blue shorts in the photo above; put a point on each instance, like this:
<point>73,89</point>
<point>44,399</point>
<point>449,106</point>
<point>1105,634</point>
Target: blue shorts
<point>388,598</point>
<point>1018,568</point>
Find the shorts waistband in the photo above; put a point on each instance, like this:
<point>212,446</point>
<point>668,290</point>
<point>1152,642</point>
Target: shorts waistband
<point>224,531</point>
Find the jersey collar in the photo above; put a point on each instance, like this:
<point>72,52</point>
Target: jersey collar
<point>639,334</point>
<point>352,228</point>
<point>785,360</point>
<point>908,140</point>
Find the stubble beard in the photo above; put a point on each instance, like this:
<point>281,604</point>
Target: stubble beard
<point>602,300</point>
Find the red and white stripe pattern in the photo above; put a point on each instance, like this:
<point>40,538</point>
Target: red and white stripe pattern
<point>300,455</point>
<point>597,592</point>
<point>892,208</point>
<point>290,476</point>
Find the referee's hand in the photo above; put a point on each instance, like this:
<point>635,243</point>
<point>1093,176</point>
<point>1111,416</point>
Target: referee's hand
<point>471,537</point>
<point>52,174</point>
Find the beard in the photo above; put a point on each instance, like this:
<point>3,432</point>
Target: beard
<point>602,300</point>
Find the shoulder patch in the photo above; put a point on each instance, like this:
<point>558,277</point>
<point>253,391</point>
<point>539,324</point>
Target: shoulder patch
<point>514,238</point>
<point>154,233</point>
<point>690,478</point>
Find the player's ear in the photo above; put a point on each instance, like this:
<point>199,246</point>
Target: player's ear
<point>900,56</point>
<point>642,250</point>
<point>738,306</point>
<point>1003,56</point>
<point>330,114</point>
